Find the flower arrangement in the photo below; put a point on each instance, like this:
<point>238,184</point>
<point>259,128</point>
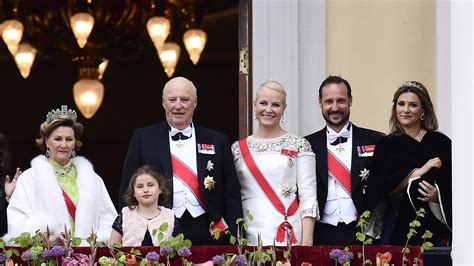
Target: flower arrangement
<point>343,257</point>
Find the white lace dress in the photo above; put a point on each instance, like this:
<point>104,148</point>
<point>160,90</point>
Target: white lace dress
<point>289,176</point>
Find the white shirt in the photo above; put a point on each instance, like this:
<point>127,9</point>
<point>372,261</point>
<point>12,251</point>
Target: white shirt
<point>183,198</point>
<point>339,205</point>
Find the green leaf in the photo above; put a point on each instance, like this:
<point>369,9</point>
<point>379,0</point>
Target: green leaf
<point>239,220</point>
<point>8,253</point>
<point>427,235</point>
<point>76,241</point>
<point>368,241</point>
<point>16,252</point>
<point>246,227</point>
<point>232,240</point>
<point>161,235</point>
<point>417,223</point>
<point>406,250</point>
<point>360,236</point>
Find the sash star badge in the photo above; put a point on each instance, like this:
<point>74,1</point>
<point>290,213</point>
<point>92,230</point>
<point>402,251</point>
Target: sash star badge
<point>210,165</point>
<point>209,182</point>
<point>364,174</point>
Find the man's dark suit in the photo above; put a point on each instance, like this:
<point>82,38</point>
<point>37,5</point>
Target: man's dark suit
<point>360,137</point>
<point>150,146</point>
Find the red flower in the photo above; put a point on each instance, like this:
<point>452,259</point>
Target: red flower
<point>306,264</point>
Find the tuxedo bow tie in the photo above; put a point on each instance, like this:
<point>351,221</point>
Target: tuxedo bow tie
<point>181,134</point>
<point>336,138</point>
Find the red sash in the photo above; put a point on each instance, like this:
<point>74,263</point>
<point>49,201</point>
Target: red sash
<point>271,195</point>
<point>340,172</point>
<point>71,208</point>
<point>182,171</point>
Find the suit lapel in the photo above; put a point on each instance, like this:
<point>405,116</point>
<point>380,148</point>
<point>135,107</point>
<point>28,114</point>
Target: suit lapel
<point>201,138</point>
<point>322,156</point>
<point>162,146</point>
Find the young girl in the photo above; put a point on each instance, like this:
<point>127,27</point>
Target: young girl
<point>134,225</point>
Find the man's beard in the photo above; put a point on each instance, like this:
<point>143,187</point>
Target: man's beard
<point>344,118</point>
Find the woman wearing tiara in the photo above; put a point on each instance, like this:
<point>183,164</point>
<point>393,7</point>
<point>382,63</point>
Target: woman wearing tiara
<point>60,190</point>
<point>412,170</point>
<point>277,174</point>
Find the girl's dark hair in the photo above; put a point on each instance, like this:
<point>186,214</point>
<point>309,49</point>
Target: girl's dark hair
<point>129,197</point>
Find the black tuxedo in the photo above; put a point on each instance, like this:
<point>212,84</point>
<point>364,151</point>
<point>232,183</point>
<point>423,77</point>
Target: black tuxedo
<point>150,146</point>
<point>360,136</point>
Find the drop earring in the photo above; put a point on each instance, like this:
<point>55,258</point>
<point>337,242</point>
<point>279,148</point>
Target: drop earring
<point>48,153</point>
<point>422,117</point>
<point>73,154</point>
<point>282,119</point>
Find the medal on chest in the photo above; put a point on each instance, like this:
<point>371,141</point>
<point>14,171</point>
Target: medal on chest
<point>340,148</point>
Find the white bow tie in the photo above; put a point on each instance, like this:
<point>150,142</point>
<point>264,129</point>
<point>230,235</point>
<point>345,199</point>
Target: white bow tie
<point>332,136</point>
<point>186,132</point>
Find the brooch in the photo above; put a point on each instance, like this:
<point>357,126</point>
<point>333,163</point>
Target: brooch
<point>210,165</point>
<point>364,174</point>
<point>291,155</point>
<point>209,182</point>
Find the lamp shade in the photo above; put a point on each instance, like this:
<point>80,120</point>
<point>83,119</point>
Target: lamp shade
<point>12,33</point>
<point>195,41</point>
<point>24,58</point>
<point>82,24</point>
<point>158,29</point>
<point>169,56</point>
<point>88,95</point>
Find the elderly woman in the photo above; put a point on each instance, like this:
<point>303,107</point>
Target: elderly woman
<point>277,174</point>
<point>60,189</point>
<point>412,170</point>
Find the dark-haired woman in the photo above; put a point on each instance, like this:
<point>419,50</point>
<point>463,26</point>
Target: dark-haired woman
<point>412,170</point>
<point>60,189</point>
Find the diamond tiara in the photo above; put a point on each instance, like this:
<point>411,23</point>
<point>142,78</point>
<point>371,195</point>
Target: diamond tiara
<point>63,113</point>
<point>411,84</point>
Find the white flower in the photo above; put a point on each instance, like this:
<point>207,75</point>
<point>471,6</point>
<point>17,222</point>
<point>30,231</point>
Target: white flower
<point>210,165</point>
<point>364,174</point>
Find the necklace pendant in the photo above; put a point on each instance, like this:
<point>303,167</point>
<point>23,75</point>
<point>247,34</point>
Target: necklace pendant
<point>179,144</point>
<point>340,149</point>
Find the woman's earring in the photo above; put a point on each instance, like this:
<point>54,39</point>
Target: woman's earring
<point>282,119</point>
<point>422,117</point>
<point>47,152</point>
<point>73,154</point>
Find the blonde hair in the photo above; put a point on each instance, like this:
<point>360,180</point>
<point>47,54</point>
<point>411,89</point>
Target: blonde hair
<point>272,85</point>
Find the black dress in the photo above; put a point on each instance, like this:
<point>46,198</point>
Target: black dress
<point>394,160</point>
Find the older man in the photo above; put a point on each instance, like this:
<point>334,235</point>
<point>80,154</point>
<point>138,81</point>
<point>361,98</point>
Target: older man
<point>196,162</point>
<point>343,154</point>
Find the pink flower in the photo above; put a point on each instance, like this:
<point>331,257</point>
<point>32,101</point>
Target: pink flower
<point>382,259</point>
